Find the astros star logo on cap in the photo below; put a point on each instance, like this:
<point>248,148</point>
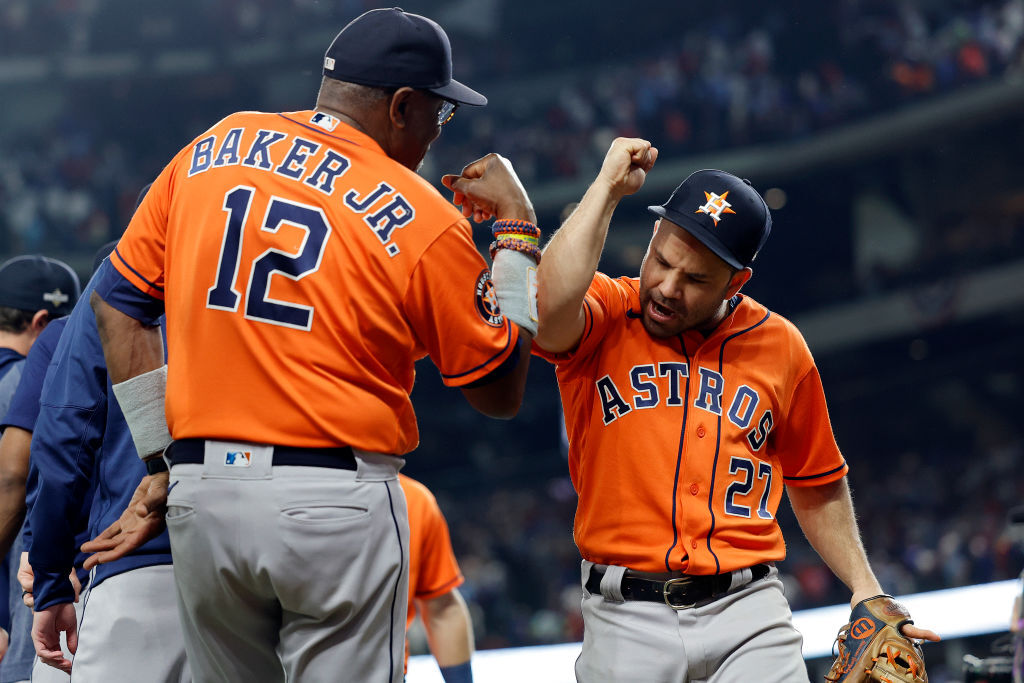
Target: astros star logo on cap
<point>715,206</point>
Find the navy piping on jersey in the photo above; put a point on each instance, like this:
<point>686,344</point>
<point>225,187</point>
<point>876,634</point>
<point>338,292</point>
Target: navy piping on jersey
<point>398,580</point>
<point>636,315</point>
<point>815,476</point>
<point>679,457</point>
<point>718,438</point>
<point>590,321</point>
<point>137,273</point>
<point>504,368</point>
<point>321,131</point>
<point>508,342</point>
<point>86,594</point>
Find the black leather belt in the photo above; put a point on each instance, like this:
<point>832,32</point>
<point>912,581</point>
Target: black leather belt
<point>193,452</point>
<point>678,593</point>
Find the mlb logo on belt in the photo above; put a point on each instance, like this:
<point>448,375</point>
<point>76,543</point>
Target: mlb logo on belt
<point>238,458</point>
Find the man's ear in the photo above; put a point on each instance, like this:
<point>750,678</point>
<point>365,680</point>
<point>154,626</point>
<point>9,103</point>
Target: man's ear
<point>40,319</point>
<point>399,106</point>
<point>739,278</point>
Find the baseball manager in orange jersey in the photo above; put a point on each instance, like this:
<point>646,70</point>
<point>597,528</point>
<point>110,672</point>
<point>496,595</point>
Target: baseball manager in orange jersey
<point>689,408</point>
<point>304,267</point>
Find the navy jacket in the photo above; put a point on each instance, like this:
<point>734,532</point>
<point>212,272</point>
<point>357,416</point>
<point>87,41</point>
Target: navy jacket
<point>81,427</point>
<point>23,411</point>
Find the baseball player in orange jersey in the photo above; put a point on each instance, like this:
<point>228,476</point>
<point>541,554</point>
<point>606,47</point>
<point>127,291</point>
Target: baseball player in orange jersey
<point>304,267</point>
<point>689,407</point>
<point>434,580</point>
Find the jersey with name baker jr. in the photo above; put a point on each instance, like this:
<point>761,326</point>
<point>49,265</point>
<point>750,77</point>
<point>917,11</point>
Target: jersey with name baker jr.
<point>303,272</point>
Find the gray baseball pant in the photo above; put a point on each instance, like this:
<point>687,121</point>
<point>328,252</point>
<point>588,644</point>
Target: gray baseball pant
<point>129,630</point>
<point>290,573</point>
<point>746,635</point>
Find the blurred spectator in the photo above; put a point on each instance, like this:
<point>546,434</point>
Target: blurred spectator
<point>728,79</point>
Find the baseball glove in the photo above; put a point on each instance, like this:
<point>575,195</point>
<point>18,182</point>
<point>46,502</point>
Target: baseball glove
<point>871,647</point>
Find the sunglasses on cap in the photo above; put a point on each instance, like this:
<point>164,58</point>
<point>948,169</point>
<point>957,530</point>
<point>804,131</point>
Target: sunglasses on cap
<point>447,112</point>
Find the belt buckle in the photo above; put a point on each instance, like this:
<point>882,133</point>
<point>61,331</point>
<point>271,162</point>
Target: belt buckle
<point>666,592</point>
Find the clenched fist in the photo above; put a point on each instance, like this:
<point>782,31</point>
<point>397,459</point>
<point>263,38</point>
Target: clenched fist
<point>626,164</point>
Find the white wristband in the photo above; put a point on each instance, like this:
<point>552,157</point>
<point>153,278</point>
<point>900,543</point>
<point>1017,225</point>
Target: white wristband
<point>515,285</point>
<point>142,401</point>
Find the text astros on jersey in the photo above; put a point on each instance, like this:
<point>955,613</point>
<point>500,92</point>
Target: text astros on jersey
<point>314,284</point>
<point>697,492</point>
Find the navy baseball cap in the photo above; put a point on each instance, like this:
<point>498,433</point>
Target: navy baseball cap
<point>390,48</point>
<point>722,211</point>
<point>32,283</point>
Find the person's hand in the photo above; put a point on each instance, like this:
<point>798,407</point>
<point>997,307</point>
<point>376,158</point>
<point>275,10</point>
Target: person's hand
<point>916,633</point>
<point>5,641</point>
<point>489,188</point>
<point>907,630</point>
<point>626,164</point>
<point>141,521</point>
<point>25,578</point>
<point>46,628</point>
<point>75,583</point>
<point>864,593</point>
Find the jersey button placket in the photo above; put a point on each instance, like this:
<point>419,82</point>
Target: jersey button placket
<point>701,432</point>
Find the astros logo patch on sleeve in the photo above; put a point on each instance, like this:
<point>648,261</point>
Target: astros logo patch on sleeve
<point>487,300</point>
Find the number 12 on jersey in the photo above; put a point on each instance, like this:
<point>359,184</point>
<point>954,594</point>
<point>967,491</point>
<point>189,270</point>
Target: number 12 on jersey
<point>258,305</point>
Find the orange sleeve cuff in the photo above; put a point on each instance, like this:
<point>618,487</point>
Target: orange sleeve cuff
<point>818,479</point>
<point>482,370</point>
<point>441,590</point>
<point>134,277</point>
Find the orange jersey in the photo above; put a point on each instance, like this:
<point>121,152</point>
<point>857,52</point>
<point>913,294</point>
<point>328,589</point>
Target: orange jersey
<point>433,570</point>
<point>679,447</point>
<point>303,272</point>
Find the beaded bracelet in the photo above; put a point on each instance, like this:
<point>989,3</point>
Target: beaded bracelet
<point>535,241</point>
<point>510,226</point>
<point>516,245</point>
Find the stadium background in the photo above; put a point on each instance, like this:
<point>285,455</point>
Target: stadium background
<point>886,136</point>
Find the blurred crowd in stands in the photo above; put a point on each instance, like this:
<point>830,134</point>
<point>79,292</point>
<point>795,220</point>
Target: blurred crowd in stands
<point>733,79</point>
<point>725,77</point>
<point>734,75</point>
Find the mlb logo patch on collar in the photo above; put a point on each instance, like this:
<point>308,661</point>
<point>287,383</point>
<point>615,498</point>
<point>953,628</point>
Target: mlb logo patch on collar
<point>238,458</point>
<point>325,121</point>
